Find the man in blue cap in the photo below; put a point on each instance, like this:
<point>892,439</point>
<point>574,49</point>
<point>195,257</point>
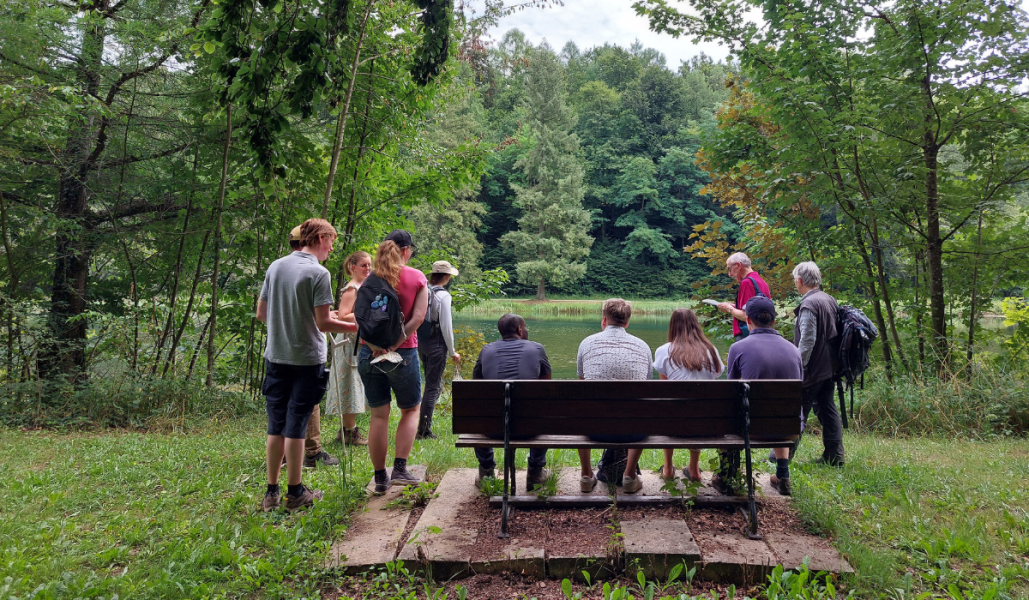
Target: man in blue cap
<point>765,354</point>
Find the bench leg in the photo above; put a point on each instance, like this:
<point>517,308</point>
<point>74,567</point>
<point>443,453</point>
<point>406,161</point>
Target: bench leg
<point>752,530</point>
<point>509,473</point>
<point>509,488</point>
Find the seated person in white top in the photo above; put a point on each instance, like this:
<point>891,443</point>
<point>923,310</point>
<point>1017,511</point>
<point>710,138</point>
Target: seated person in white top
<point>688,355</point>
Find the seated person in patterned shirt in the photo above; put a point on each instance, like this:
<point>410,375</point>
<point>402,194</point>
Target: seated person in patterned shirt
<point>613,354</point>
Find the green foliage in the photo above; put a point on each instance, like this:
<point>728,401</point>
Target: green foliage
<point>414,496</point>
<point>989,401</point>
<point>119,401</point>
<point>491,486</point>
<point>552,237</point>
<point>893,184</point>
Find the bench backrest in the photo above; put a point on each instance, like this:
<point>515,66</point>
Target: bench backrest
<point>676,408</point>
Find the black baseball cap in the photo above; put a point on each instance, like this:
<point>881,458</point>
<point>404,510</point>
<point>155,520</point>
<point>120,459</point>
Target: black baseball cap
<point>400,238</point>
<point>758,305</point>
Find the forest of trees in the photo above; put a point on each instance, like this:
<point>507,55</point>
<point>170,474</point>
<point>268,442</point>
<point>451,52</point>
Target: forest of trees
<point>153,158</point>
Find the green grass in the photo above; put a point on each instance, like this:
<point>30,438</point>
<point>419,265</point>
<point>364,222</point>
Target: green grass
<point>149,515</point>
<point>577,307</point>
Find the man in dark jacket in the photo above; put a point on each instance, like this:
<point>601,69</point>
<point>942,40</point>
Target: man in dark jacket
<point>513,357</point>
<point>814,334</point>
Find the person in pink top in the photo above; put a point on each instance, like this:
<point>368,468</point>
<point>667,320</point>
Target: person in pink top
<point>751,284</point>
<point>395,369</point>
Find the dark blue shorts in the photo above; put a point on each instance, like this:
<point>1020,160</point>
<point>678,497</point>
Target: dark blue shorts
<point>403,378</point>
<point>291,394</point>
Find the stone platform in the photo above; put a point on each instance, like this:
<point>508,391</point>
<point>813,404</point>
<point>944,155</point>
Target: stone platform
<point>443,540</point>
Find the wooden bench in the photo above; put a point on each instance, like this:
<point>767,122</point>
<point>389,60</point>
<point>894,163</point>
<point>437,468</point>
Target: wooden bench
<point>733,415</point>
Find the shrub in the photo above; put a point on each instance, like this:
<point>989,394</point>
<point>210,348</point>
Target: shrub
<point>118,402</point>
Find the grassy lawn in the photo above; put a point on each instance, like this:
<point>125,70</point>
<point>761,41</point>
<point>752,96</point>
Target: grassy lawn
<point>148,515</point>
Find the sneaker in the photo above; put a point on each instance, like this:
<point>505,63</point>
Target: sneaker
<point>428,435</point>
<point>305,499</point>
<point>323,457</point>
<point>272,501</point>
<point>483,474</point>
<point>403,477</point>
<point>587,483</point>
<point>782,485</point>
<point>631,485</point>
<point>536,478</point>
<point>354,437</point>
<point>380,487</point>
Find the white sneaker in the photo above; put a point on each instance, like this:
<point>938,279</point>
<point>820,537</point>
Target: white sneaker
<point>586,484</point>
<point>631,485</point>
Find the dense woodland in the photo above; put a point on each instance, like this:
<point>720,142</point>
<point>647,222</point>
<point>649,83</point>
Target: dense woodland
<point>153,157</point>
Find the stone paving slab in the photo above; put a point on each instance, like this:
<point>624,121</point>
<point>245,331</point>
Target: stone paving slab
<point>734,558</point>
<point>449,551</point>
<point>791,549</point>
<point>655,546</point>
<point>374,533</point>
<point>520,557</point>
<point>571,567</point>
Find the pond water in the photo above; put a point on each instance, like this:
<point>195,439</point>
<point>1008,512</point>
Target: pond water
<point>560,336</point>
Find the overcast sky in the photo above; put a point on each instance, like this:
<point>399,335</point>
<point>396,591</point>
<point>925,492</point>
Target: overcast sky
<point>591,23</point>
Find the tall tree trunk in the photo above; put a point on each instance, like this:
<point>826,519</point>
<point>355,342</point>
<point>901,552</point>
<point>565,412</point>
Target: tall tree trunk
<point>176,273</point>
<point>934,241</point>
<point>876,306</point>
<point>972,315</point>
<point>65,354</point>
<point>213,322</point>
<point>12,289</point>
<point>341,125</point>
<point>172,352</point>
<point>541,289</point>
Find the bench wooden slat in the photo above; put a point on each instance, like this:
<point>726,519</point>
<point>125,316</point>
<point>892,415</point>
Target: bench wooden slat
<point>469,440</point>
<point>627,425</point>
<point>614,390</point>
<point>647,408</point>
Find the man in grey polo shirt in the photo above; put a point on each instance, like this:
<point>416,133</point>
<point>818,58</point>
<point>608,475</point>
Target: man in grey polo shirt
<point>295,302</point>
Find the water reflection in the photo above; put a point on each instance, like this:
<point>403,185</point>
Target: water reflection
<point>561,336</point>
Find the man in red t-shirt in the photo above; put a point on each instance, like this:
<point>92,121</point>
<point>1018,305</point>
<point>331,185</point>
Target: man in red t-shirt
<point>739,268</point>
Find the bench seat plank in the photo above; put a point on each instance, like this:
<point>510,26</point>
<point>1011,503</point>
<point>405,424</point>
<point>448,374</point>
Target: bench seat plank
<point>470,440</point>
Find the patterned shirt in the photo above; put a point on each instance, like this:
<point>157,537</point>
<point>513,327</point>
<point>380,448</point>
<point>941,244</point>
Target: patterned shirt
<point>614,354</point>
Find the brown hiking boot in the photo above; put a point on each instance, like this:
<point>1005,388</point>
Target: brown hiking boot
<point>782,485</point>
<point>304,500</point>
<point>354,437</point>
<point>272,501</point>
<point>536,478</point>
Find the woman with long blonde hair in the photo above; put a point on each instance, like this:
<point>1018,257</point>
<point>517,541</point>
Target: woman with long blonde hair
<point>346,390</point>
<point>395,368</point>
<point>688,355</point>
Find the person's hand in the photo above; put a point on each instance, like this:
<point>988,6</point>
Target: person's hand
<point>725,307</point>
<point>456,357</point>
<point>333,315</point>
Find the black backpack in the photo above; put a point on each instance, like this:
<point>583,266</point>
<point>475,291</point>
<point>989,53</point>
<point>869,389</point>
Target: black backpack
<point>430,326</point>
<point>377,310</point>
<point>855,334</point>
